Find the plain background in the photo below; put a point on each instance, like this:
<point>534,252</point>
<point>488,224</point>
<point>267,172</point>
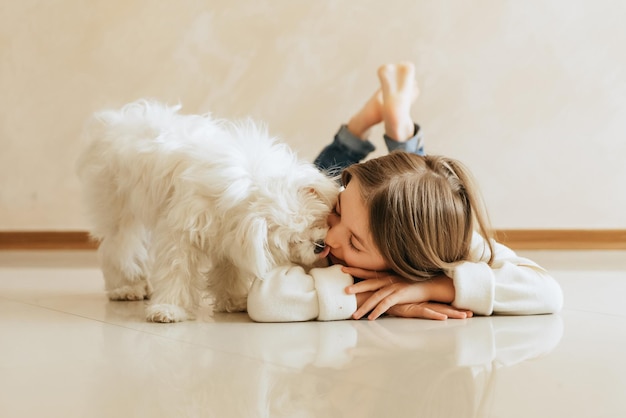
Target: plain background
<point>531,95</point>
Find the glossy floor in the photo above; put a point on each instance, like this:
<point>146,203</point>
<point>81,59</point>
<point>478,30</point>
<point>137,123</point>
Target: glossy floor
<point>65,351</point>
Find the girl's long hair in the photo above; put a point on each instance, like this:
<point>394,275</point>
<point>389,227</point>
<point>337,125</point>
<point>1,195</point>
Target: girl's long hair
<point>423,211</point>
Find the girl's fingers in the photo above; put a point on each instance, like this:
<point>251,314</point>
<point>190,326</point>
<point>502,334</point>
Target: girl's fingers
<point>430,311</point>
<point>374,302</point>
<point>362,273</point>
<point>454,314</point>
<point>431,314</point>
<point>386,295</point>
<point>368,285</point>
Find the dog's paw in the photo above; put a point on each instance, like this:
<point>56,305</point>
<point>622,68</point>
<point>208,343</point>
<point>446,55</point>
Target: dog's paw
<point>166,313</point>
<point>129,293</point>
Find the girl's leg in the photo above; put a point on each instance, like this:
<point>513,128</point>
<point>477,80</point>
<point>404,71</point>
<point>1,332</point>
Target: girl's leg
<point>350,144</point>
<point>369,115</point>
<point>392,103</point>
<point>399,92</point>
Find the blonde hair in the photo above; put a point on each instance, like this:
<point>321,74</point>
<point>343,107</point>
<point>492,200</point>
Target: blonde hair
<point>423,211</point>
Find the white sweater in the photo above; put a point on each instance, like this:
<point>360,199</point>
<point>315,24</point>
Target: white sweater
<point>512,285</point>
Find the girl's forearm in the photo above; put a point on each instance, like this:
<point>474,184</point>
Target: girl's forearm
<point>441,289</point>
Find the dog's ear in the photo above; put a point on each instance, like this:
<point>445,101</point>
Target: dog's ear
<point>254,255</point>
<point>326,192</point>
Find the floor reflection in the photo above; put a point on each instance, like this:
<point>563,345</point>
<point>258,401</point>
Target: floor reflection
<point>390,367</point>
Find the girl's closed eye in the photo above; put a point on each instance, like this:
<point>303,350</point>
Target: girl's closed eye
<point>352,246</point>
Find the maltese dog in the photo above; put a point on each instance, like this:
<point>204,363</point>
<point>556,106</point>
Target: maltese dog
<point>185,206</point>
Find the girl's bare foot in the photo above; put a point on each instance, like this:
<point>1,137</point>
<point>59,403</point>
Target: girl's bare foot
<point>399,91</point>
<point>369,115</point>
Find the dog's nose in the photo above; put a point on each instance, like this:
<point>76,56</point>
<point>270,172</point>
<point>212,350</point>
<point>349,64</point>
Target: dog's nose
<point>319,246</point>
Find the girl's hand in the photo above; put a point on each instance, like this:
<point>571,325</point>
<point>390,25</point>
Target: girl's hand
<point>429,310</point>
<point>382,292</point>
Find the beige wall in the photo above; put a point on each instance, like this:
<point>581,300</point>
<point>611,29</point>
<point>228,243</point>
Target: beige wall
<point>530,94</point>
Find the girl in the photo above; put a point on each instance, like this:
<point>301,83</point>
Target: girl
<point>411,227</point>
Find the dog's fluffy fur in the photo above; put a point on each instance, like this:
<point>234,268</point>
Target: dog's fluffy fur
<point>183,204</point>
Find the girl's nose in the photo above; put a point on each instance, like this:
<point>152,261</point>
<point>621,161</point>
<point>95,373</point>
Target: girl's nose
<point>330,238</point>
<point>331,235</point>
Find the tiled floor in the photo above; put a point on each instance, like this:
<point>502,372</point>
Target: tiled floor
<point>65,351</point>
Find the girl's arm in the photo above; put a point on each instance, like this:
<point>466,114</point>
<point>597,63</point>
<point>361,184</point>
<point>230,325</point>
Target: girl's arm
<point>289,294</point>
<point>512,285</point>
<point>385,292</point>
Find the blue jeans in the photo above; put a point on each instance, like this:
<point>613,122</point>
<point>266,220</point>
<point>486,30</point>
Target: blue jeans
<point>347,149</point>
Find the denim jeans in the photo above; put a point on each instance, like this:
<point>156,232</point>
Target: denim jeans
<point>347,149</point>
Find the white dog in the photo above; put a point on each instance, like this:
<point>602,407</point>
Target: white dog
<point>183,204</point>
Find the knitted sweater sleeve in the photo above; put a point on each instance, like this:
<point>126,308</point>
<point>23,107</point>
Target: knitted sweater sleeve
<point>512,285</point>
<point>289,294</point>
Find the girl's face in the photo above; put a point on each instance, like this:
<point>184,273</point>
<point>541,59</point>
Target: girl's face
<point>349,237</point>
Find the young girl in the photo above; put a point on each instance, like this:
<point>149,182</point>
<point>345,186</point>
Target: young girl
<point>413,229</point>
